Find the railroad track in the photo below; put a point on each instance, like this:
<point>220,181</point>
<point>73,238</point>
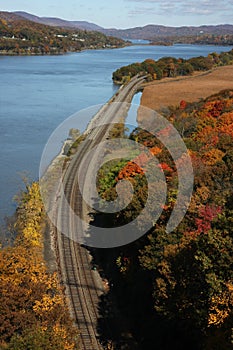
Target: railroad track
<point>81,283</point>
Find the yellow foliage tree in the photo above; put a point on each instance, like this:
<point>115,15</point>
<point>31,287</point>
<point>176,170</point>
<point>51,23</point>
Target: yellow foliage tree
<point>30,297</point>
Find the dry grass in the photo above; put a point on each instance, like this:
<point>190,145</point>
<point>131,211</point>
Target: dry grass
<point>170,91</point>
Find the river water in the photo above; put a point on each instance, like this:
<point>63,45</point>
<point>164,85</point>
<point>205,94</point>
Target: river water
<point>38,93</point>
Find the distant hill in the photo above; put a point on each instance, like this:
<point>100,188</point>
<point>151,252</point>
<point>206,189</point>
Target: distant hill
<point>10,16</point>
<point>149,32</point>
<point>21,36</point>
<point>58,22</point>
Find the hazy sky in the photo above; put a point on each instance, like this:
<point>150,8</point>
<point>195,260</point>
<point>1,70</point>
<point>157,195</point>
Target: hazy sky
<point>130,13</point>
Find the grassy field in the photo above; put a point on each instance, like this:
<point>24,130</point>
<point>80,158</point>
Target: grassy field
<point>170,91</point>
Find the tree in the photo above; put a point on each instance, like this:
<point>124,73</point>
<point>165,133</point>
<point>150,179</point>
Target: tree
<point>37,338</point>
<point>31,299</point>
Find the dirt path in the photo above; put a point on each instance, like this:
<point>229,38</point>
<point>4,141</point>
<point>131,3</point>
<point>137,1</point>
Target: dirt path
<point>171,91</point>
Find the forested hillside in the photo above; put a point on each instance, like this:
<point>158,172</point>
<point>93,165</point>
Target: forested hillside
<point>199,39</point>
<point>172,67</point>
<point>175,291</point>
<point>23,37</point>
<point>151,31</point>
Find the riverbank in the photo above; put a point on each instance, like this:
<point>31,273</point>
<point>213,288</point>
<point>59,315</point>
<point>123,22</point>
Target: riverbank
<point>59,53</point>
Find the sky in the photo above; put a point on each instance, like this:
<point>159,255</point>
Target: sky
<point>129,13</point>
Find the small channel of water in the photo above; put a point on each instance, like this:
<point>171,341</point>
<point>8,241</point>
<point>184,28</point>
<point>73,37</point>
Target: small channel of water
<point>131,119</point>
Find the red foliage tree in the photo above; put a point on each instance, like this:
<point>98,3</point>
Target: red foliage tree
<point>206,215</point>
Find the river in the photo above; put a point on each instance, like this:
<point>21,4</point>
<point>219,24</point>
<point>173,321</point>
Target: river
<point>37,93</point>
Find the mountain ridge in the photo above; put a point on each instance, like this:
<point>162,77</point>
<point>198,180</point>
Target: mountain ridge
<point>149,32</point>
<point>59,22</point>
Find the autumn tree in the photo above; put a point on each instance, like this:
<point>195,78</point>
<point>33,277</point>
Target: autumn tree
<point>32,305</point>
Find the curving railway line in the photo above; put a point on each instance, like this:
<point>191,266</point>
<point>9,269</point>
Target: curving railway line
<point>83,286</point>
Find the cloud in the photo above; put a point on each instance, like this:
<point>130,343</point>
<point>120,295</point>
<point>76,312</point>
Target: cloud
<point>182,7</point>
<point>142,11</point>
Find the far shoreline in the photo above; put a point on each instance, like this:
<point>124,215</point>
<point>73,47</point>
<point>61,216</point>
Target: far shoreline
<point>12,54</point>
<point>2,54</point>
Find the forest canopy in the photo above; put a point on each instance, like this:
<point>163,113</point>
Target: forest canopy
<point>177,288</point>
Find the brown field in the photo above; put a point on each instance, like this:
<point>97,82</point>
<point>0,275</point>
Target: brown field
<point>170,91</point>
